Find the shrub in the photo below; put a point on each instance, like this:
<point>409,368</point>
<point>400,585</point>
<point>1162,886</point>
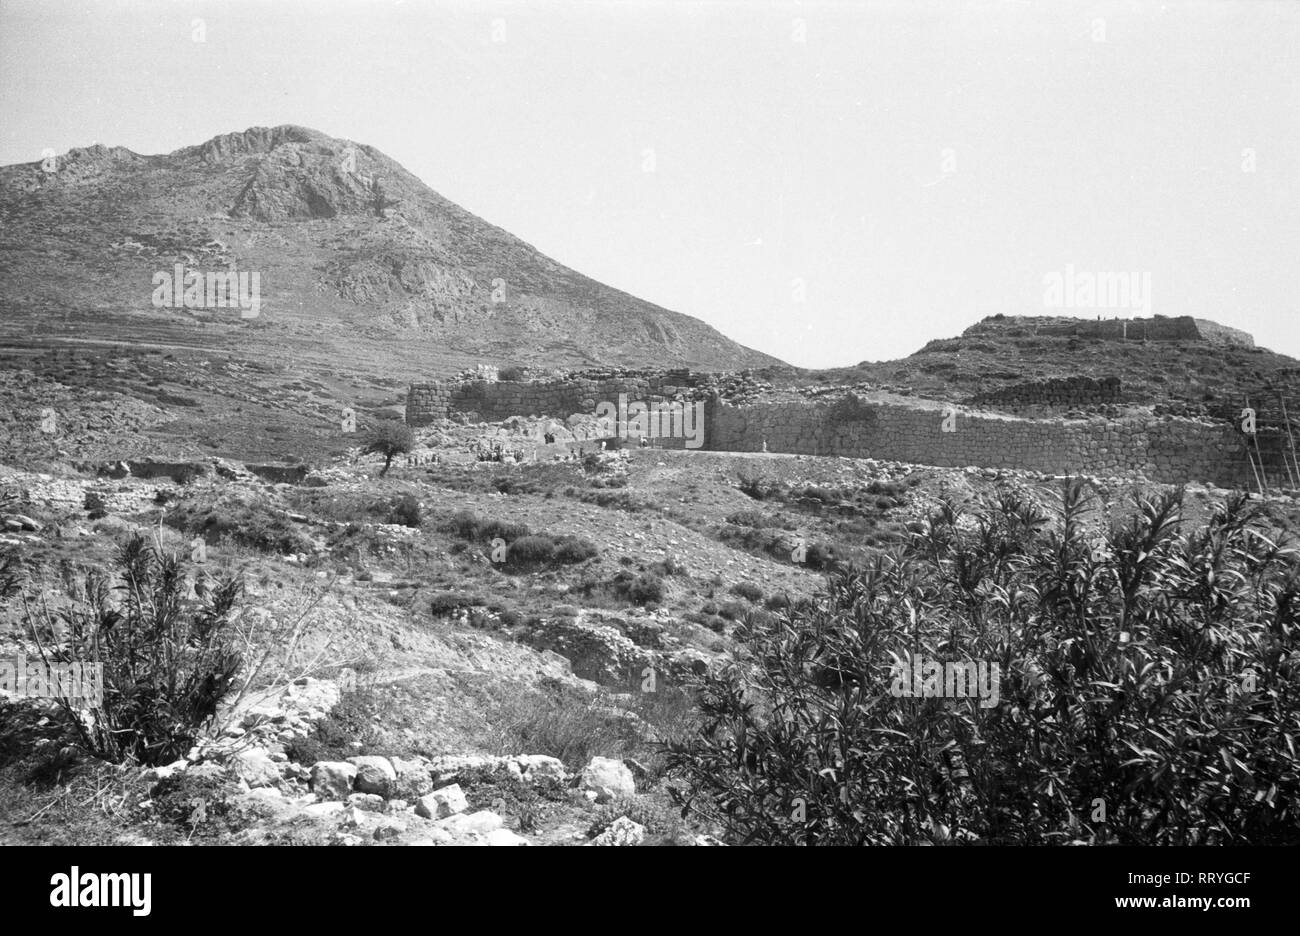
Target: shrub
<point>825,495</point>
<point>778,602</point>
<point>465,524</point>
<point>733,610</point>
<point>511,372</point>
<point>1151,670</point>
<point>570,550</point>
<point>750,518</point>
<point>167,662</point>
<point>644,589</point>
<point>501,529</point>
<point>758,486</point>
<point>747,590</point>
<point>445,603</point>
<point>531,551</point>
<point>405,510</point>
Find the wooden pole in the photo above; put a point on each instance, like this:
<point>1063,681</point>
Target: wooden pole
<point>1257,471</point>
<point>1290,436</point>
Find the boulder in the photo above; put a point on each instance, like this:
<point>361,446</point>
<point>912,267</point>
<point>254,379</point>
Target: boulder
<point>540,766</point>
<point>374,774</point>
<point>440,804</point>
<point>505,837</point>
<point>333,779</point>
<point>413,780</point>
<point>608,778</point>
<point>481,822</point>
<point>255,767</point>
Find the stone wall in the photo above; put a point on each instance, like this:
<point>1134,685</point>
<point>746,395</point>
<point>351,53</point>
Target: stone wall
<point>1065,391</point>
<point>1158,328</point>
<point>1166,450</point>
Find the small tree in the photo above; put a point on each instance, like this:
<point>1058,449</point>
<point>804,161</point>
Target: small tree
<point>389,438</point>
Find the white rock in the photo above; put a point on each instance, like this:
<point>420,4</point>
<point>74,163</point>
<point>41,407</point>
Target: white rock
<point>413,778</point>
<point>440,804</point>
<point>368,802</point>
<point>505,837</point>
<point>538,766</point>
<point>324,809</point>
<point>608,778</point>
<point>481,822</point>
<point>255,767</point>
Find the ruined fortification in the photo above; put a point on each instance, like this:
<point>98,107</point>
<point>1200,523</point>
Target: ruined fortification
<point>1157,328</point>
<point>1057,426</point>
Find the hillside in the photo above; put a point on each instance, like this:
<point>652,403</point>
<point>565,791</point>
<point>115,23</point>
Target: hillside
<point>1210,370</point>
<point>356,258</point>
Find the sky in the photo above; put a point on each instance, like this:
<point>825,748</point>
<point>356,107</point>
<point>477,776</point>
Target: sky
<point>828,182</point>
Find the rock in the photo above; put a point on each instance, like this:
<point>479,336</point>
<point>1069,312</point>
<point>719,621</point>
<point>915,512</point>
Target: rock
<point>208,770</point>
<point>481,822</point>
<point>368,802</point>
<point>374,774</point>
<point>413,780</point>
<point>505,837</point>
<point>332,779</point>
<point>387,832</point>
<point>154,774</point>
<point>622,831</point>
<point>324,809</point>
<point>442,803</point>
<point>540,766</point>
<point>708,840</point>
<point>608,779</point>
<point>255,767</point>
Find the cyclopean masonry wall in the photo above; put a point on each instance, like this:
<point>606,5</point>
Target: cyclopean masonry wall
<point>1166,450</point>
<point>1064,391</point>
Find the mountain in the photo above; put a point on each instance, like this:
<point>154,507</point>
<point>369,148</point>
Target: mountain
<point>353,255</point>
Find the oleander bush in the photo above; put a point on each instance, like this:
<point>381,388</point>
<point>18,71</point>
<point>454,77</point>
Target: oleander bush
<point>167,661</point>
<point>1149,688</point>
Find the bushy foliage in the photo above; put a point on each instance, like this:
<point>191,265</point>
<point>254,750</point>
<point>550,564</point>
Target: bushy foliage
<point>532,551</point>
<point>758,486</point>
<point>404,509</point>
<point>244,519</point>
<point>445,603</point>
<point>527,550</point>
<point>1149,689</point>
<point>168,661</point>
<point>389,438</point>
<point>747,590</point>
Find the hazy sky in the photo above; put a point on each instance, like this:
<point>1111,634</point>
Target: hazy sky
<point>827,182</point>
